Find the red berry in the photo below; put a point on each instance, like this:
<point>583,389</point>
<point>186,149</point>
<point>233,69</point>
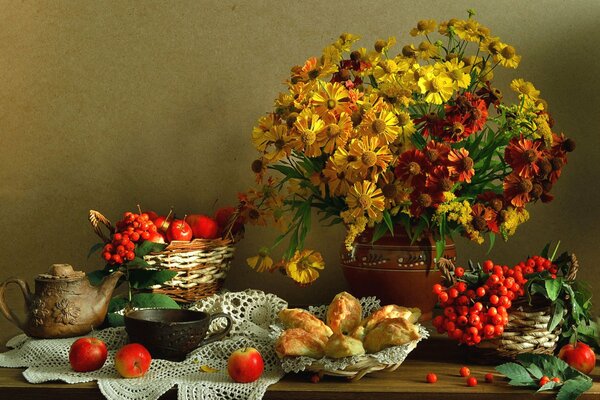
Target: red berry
<point>555,379</point>
<point>315,378</point>
<point>492,311</point>
<point>489,377</point>
<point>480,292</point>
<point>461,286</point>
<point>544,380</point>
<point>453,293</point>
<point>471,381</point>
<point>464,372</point>
<point>431,378</point>
<point>488,265</point>
<point>437,288</point>
<point>494,299</point>
<point>443,297</point>
<point>459,272</point>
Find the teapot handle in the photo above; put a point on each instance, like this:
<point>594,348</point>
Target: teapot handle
<point>8,313</point>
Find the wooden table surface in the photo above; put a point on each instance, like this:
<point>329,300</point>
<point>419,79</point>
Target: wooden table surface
<point>407,382</point>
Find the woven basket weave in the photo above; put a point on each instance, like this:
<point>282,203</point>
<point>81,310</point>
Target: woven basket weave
<point>527,328</point>
<point>201,264</point>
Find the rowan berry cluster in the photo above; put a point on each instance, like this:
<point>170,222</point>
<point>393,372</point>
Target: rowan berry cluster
<point>476,305</point>
<point>133,228</point>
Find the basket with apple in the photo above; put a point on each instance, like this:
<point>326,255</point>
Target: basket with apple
<point>186,259</point>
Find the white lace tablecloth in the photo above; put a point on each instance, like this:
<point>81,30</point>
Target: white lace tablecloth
<point>252,312</point>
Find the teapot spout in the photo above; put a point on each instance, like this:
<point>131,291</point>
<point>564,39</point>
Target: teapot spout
<point>107,286</point>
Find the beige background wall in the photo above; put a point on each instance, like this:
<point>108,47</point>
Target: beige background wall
<point>108,104</point>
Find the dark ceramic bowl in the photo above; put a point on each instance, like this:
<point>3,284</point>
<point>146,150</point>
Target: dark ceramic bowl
<point>171,334</point>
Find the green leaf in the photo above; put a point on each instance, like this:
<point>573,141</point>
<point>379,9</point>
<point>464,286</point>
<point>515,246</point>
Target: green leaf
<point>573,388</point>
<point>387,218</point>
<point>418,140</point>
<point>153,300</point>
<point>117,304</point>
<point>553,287</point>
<point>548,386</point>
<point>545,250</point>
<point>148,247</point>
<point>515,372</point>
<point>380,230</point>
<point>96,277</point>
<point>138,262</point>
<point>492,237</point>
<point>440,245</point>
<point>95,248</point>
<point>144,278</point>
<point>115,320</point>
<point>557,316</point>
<point>287,171</point>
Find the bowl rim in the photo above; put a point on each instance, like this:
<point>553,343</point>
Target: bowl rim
<point>131,316</point>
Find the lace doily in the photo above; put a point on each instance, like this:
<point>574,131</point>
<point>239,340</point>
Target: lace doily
<point>252,313</point>
<point>391,355</point>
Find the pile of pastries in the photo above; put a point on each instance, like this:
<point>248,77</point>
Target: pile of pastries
<point>345,332</point>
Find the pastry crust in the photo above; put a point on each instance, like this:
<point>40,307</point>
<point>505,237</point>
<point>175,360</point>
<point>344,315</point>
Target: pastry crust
<point>390,332</point>
<point>344,313</point>
<point>298,342</point>
<point>299,318</point>
<point>339,346</point>
<point>386,312</point>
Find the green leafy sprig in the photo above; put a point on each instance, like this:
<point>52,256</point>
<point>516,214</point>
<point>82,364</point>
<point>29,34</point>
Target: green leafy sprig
<point>530,368</point>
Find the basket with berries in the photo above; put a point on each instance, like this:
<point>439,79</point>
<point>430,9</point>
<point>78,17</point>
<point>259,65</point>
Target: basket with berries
<point>186,259</point>
<point>504,311</point>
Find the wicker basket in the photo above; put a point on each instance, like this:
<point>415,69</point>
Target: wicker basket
<point>201,264</point>
<point>527,328</point>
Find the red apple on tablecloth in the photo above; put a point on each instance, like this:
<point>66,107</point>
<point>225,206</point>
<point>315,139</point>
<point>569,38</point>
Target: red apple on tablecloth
<point>223,215</point>
<point>245,365</point>
<point>179,230</point>
<point>132,360</point>
<point>579,356</point>
<point>203,227</point>
<point>87,354</point>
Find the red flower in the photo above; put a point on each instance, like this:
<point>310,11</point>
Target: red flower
<point>517,190</point>
<point>494,200</point>
<point>484,218</point>
<point>433,125</point>
<point>412,167</point>
<point>522,155</point>
<point>437,152</point>
<point>439,180</point>
<point>421,200</point>
<point>460,165</point>
<point>467,116</point>
<point>490,94</point>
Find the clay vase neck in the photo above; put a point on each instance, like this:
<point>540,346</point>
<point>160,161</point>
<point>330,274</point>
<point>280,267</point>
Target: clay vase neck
<point>395,270</point>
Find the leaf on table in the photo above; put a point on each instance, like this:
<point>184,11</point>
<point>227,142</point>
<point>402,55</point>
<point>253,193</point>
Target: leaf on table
<point>208,369</point>
<point>517,373</point>
<point>574,388</point>
<point>548,386</point>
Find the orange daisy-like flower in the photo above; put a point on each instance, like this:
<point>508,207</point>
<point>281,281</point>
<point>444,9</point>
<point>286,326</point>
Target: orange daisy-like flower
<point>421,200</point>
<point>517,190</point>
<point>333,97</point>
<point>484,218</point>
<point>439,180</point>
<point>282,143</point>
<point>460,165</point>
<point>336,133</point>
<point>308,126</point>
<point>365,197</point>
<point>339,178</point>
<point>523,155</point>
<point>369,155</point>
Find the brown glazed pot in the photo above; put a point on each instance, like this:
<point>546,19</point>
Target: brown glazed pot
<point>394,270</point>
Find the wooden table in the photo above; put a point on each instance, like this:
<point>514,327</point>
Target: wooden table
<point>407,382</point>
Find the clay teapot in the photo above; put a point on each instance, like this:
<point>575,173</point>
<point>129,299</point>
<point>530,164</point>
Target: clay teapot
<point>64,304</point>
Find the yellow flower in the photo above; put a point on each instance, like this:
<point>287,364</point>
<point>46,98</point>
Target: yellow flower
<point>260,140</point>
<point>397,95</point>
<point>304,266</point>
<point>308,126</point>
<point>394,192</point>
<point>345,41</point>
<point>301,92</point>
<point>381,46</point>
<point>386,70</point>
<point>282,142</point>
<point>354,227</point>
<point>458,73</point>
<point>365,197</point>
<point>491,44</point>
<point>423,27</point>
<point>261,262</point>
<point>428,50</point>
<point>336,132</point>
<point>333,97</point>
<point>339,178</point>
<point>470,30</point>
<point>523,87</point>
<point>331,55</point>
<point>436,88</point>
<point>513,217</point>
<point>382,125</point>
<point>543,129</point>
<point>447,27</point>
<point>406,125</point>
<point>507,57</point>
<point>297,187</point>
<point>369,155</point>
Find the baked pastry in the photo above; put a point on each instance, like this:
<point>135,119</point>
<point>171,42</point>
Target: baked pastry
<point>339,346</point>
<point>299,318</point>
<point>385,312</point>
<point>298,342</point>
<point>390,332</point>
<point>344,313</point>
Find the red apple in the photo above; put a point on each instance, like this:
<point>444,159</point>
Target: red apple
<point>203,227</point>
<point>151,214</point>
<point>179,230</point>
<point>156,237</point>
<point>132,360</point>
<point>245,365</point>
<point>162,223</point>
<point>87,354</point>
<point>581,357</point>
<point>223,215</point>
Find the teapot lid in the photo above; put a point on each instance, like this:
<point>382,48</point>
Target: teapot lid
<point>58,272</point>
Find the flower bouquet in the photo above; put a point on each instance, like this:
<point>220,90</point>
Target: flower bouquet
<point>418,138</point>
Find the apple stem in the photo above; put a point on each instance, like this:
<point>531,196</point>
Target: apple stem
<point>139,209</point>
